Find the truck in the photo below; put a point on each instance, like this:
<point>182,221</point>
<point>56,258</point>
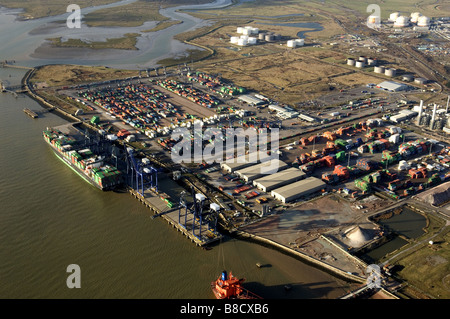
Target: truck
<point>123,133</point>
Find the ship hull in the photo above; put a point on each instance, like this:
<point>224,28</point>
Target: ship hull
<point>76,169</point>
<point>245,294</point>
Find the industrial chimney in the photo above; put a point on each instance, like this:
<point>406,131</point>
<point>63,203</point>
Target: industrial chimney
<point>420,112</point>
<point>433,119</point>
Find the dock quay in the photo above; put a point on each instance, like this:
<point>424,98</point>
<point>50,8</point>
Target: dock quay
<point>184,223</point>
<point>31,113</point>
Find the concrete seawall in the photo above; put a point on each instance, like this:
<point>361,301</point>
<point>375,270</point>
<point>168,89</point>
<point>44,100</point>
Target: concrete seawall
<point>317,263</point>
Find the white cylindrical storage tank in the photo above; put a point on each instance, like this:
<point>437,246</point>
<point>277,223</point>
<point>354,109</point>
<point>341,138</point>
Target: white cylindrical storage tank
<point>255,30</point>
<point>300,42</point>
<point>291,44</point>
<point>242,42</point>
<point>234,40</point>
<point>246,31</point>
<point>379,69</point>
<point>261,36</point>
<point>240,30</point>
<point>360,64</point>
<point>408,78</point>
<point>415,16</point>
<point>420,81</point>
<point>390,72</point>
<point>362,59</point>
<point>393,16</point>
<point>252,40</point>
<point>371,62</point>
<point>269,37</point>
<point>351,62</point>
<point>401,22</point>
<point>423,22</point>
<point>373,19</point>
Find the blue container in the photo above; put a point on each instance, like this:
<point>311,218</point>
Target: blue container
<point>224,275</point>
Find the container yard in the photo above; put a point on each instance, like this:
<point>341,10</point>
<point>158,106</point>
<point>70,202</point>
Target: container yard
<point>356,158</point>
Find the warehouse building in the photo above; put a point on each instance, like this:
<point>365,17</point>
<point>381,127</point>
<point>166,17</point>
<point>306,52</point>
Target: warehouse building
<point>392,86</point>
<point>251,100</point>
<point>253,172</point>
<point>234,164</point>
<point>299,189</point>
<point>270,182</point>
<point>307,118</point>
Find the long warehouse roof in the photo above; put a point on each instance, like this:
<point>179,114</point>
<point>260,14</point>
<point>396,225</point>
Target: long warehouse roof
<point>299,187</point>
<point>237,163</point>
<point>260,169</point>
<point>280,177</point>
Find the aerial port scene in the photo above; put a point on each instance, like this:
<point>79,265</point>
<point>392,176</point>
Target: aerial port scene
<point>225,149</point>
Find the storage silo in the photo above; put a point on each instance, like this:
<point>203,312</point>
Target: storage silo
<point>351,62</point>
<point>234,40</point>
<point>408,78</point>
<point>420,81</point>
<point>393,16</point>
<point>390,72</point>
<point>415,16</point>
<point>242,41</point>
<point>300,42</point>
<point>379,69</point>
<point>360,64</point>
<point>269,37</point>
<point>261,36</point>
<point>371,62</point>
<point>291,44</point>
<point>362,59</point>
<point>401,22</point>
<point>252,40</point>
<point>373,19</point>
<point>423,22</point>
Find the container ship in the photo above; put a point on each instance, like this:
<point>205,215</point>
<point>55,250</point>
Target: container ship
<point>84,162</point>
<point>230,287</point>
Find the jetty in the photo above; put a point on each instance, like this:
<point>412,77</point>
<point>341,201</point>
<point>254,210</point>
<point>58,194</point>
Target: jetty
<point>30,113</point>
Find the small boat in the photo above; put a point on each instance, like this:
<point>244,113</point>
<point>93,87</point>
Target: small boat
<point>230,287</point>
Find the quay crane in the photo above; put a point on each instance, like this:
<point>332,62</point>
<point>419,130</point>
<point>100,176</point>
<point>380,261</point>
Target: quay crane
<point>199,212</point>
<point>143,176</point>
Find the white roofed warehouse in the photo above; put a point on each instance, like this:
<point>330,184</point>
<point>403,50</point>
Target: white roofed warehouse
<point>231,165</point>
<point>299,189</point>
<point>392,86</point>
<point>251,173</point>
<point>270,182</point>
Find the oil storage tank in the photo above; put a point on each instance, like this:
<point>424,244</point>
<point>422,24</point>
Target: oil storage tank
<point>351,62</point>
<point>360,64</point>
<point>371,62</point>
<point>379,69</point>
<point>423,22</point>
<point>401,22</point>
<point>390,72</point>
<point>393,16</point>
